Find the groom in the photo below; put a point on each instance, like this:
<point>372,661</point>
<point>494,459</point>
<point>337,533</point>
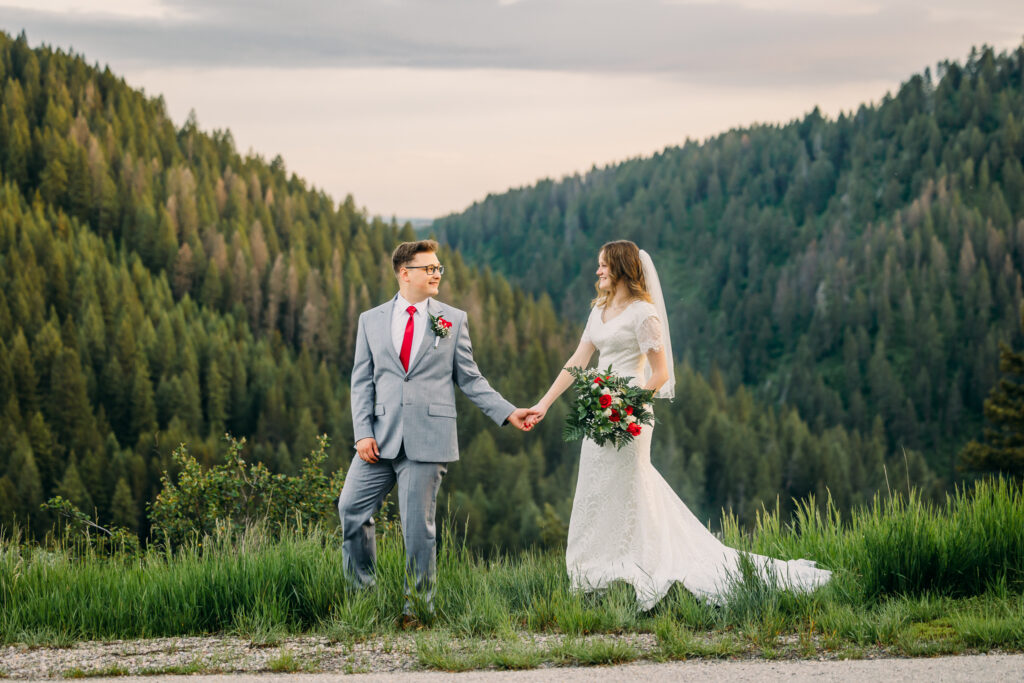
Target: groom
<point>410,353</point>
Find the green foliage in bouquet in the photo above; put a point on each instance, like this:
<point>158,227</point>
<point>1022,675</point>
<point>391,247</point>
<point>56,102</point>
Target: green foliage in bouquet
<point>608,408</point>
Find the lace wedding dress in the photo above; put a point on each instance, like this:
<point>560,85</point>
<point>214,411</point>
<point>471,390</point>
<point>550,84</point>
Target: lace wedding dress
<point>627,523</point>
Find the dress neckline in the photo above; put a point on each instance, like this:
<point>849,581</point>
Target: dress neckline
<point>600,315</point>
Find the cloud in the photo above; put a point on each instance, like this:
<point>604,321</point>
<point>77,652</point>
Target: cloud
<point>826,7</point>
<point>736,42</point>
<point>115,9</point>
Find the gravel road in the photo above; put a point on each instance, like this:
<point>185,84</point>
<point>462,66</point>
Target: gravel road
<point>217,659</point>
<point>975,668</point>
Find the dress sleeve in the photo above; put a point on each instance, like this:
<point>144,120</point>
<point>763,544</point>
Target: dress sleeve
<point>648,331</point>
<point>586,328</point>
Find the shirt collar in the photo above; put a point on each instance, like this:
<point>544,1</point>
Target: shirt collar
<point>402,305</point>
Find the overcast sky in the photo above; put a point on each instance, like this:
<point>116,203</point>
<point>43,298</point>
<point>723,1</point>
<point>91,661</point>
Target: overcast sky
<point>419,108</point>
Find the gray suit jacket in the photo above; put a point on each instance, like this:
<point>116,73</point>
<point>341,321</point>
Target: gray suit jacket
<point>418,408</point>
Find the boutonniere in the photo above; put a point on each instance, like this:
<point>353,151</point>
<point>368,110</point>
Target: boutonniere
<point>440,326</point>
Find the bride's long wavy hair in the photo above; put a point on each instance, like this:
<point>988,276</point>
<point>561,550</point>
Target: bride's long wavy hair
<point>624,268</point>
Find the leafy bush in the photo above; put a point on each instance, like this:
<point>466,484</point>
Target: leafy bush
<point>93,538</point>
<point>237,495</point>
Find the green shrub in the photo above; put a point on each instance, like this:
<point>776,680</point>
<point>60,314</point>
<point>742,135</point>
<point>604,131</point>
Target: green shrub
<point>238,495</point>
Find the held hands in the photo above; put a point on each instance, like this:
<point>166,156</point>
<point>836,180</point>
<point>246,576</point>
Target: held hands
<point>537,413</point>
<point>524,418</point>
<point>521,418</point>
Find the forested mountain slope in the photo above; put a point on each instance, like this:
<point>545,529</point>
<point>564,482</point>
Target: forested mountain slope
<point>158,287</point>
<point>851,268</point>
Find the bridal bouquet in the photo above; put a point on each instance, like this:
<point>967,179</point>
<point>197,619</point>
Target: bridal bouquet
<point>608,408</point>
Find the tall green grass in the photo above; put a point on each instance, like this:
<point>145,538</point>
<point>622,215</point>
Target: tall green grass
<point>897,562</point>
<point>905,545</point>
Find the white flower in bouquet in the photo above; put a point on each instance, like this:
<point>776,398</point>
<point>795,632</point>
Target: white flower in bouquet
<point>608,408</point>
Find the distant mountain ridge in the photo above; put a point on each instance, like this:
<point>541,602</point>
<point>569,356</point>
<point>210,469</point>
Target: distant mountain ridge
<point>418,224</point>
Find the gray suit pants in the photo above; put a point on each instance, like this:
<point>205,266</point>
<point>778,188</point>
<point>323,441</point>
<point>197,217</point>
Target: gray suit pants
<point>366,486</point>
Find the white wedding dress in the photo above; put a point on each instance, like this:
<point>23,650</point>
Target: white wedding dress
<point>627,523</point>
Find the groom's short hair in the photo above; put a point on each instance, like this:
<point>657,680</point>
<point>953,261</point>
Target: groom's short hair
<point>406,252</point>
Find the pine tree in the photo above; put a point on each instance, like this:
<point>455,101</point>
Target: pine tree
<point>1002,448</point>
<point>217,395</point>
<point>53,182</point>
<point>48,453</point>
<point>305,435</point>
<point>122,508</point>
<point>23,369</point>
<point>6,374</point>
<point>142,407</point>
<point>8,505</point>
<point>72,418</point>
<point>73,489</point>
<point>183,271</point>
<point>25,476</point>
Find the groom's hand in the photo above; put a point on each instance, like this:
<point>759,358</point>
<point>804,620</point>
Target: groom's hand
<point>367,449</point>
<point>523,418</point>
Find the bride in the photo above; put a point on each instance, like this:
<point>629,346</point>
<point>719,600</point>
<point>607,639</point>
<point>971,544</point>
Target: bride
<point>627,523</point>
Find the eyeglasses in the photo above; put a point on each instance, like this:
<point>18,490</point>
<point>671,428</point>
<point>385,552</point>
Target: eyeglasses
<point>429,269</point>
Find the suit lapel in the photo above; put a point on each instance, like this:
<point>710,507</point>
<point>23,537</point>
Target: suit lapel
<point>427,345</point>
<point>385,326</point>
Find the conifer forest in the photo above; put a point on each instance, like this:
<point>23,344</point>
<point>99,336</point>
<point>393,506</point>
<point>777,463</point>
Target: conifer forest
<point>838,288</point>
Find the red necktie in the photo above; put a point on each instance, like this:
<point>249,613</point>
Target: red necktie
<point>407,340</point>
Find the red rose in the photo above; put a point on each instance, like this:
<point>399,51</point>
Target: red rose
<point>597,380</point>
<point>615,417</point>
<point>634,429</point>
<point>629,410</point>
<point>606,400</point>
<point>446,323</point>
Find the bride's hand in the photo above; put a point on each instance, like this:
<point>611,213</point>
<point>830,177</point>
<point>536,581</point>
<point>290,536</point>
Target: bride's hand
<point>539,412</point>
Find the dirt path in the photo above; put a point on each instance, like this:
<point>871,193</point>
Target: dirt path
<point>393,658</point>
<point>974,668</point>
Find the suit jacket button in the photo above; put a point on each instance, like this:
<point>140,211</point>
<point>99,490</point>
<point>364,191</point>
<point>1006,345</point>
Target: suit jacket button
<point>406,379</point>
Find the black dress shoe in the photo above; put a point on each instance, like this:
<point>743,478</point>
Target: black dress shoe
<point>408,622</point>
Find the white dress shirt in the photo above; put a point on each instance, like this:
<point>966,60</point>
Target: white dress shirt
<point>400,318</point>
